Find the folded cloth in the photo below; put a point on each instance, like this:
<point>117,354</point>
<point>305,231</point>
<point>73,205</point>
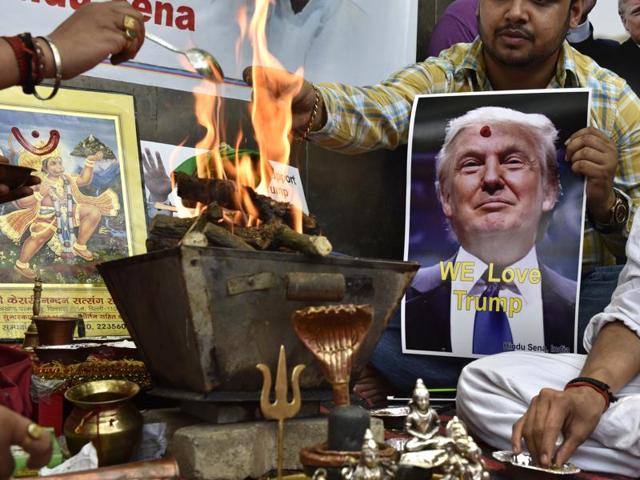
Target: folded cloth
<point>15,380</point>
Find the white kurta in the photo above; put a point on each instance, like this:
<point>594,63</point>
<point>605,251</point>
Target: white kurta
<point>495,391</point>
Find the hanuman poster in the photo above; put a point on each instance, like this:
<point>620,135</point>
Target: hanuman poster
<point>88,208</point>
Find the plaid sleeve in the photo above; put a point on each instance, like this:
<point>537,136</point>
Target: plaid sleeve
<point>626,134</point>
<point>360,119</point>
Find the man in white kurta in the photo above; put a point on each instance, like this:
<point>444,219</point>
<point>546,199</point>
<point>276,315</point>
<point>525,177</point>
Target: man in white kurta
<point>512,396</point>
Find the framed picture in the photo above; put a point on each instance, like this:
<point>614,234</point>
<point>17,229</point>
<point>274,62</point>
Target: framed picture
<point>495,217</point>
<point>88,208</point>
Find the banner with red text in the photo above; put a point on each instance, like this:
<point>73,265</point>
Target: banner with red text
<point>350,41</point>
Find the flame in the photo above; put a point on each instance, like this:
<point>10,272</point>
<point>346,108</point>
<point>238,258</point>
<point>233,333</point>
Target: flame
<point>271,117</point>
<point>242,23</point>
<point>246,178</point>
<point>270,112</point>
<point>208,107</point>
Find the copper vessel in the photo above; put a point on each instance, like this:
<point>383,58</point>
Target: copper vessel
<point>54,330</point>
<point>104,415</point>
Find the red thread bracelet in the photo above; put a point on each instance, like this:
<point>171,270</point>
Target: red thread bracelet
<point>22,57</point>
<point>602,393</point>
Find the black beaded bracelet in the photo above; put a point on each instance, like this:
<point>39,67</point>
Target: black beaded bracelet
<point>28,86</point>
<point>603,387</point>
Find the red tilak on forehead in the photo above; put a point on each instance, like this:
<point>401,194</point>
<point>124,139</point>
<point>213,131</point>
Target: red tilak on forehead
<point>485,131</point>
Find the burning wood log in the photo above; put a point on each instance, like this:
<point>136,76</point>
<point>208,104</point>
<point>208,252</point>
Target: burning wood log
<point>170,227</point>
<point>211,229</point>
<point>166,232</point>
<point>225,194</point>
<point>222,237</point>
<point>207,191</point>
<point>274,235</point>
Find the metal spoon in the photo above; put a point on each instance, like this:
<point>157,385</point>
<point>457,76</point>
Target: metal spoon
<point>203,62</point>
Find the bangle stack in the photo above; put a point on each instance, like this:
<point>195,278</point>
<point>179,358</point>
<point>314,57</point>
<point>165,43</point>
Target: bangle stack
<point>30,60</point>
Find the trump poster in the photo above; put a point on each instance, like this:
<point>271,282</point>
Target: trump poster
<point>495,217</point>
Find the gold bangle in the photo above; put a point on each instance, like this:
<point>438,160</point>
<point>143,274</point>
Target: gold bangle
<point>89,163</point>
<point>38,196</point>
<point>58,63</point>
<point>314,113</point>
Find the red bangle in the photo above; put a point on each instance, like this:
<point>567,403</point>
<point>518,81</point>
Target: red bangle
<point>602,393</point>
<point>22,57</point>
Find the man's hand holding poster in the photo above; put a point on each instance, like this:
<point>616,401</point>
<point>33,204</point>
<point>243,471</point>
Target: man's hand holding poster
<point>495,217</point>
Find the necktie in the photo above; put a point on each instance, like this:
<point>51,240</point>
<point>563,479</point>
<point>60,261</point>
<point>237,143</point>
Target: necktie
<point>491,329</point>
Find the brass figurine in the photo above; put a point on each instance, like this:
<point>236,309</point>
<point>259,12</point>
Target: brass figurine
<point>370,466</point>
<point>281,408</point>
<point>31,340</point>
<point>334,333</point>
<point>422,423</point>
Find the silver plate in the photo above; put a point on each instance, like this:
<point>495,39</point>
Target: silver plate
<point>402,411</point>
<point>524,460</point>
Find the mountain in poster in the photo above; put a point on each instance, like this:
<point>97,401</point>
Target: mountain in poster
<point>90,146</point>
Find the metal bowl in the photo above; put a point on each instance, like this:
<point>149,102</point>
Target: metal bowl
<point>55,330</point>
<point>392,417</point>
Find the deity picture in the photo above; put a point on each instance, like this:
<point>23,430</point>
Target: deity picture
<point>88,208</point>
<point>494,217</point>
<point>74,216</point>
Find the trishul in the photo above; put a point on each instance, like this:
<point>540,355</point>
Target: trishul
<point>281,408</point>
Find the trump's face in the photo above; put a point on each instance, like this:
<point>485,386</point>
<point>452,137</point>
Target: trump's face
<point>494,184</point>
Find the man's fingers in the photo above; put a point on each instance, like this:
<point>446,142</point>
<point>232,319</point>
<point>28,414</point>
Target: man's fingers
<point>32,438</point>
<point>159,164</point>
<point>33,180</point>
<point>528,430</point>
<point>567,448</point>
<point>146,160</point>
<point>589,169</point>
<point>15,194</point>
<point>553,427</point>
<point>596,145</point>
<point>516,435</point>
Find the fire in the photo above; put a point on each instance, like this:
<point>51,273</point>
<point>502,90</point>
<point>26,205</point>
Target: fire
<point>270,114</point>
<point>208,107</point>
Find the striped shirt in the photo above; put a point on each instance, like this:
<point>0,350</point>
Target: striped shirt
<point>360,119</point>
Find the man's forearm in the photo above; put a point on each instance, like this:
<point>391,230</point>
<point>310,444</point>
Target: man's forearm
<point>615,356</point>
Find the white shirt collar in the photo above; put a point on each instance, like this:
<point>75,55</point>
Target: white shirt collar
<point>580,33</point>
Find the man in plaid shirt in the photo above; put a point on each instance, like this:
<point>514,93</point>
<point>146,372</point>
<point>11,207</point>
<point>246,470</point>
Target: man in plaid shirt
<point>521,46</point>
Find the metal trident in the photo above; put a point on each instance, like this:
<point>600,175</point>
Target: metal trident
<point>281,408</point>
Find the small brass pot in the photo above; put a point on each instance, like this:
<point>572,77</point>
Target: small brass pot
<point>55,330</point>
<point>104,415</point>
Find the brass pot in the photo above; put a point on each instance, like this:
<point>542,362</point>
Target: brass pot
<point>104,415</point>
<point>55,330</point>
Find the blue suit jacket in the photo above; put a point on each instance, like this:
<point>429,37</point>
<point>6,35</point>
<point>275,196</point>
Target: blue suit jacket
<point>427,325</point>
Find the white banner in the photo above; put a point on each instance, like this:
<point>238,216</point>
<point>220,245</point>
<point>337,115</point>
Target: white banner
<point>351,41</point>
